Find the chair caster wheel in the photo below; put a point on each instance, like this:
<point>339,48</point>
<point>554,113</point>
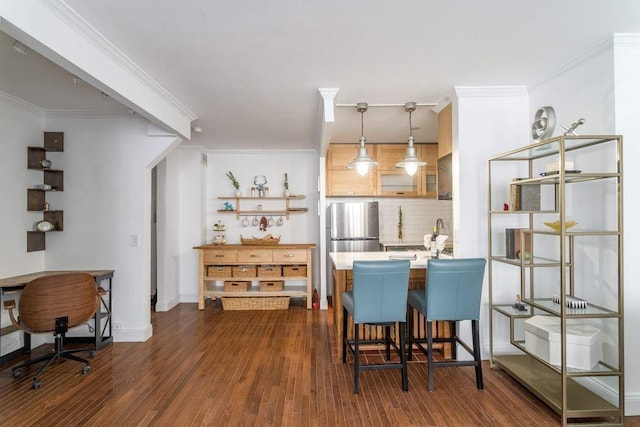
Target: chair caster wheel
<point>92,353</point>
<point>17,373</point>
<point>85,369</point>
<point>36,384</point>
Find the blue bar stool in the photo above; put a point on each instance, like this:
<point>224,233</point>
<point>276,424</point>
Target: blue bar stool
<point>452,292</point>
<point>379,297</point>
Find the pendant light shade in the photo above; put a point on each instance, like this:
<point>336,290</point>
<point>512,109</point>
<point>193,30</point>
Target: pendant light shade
<point>362,162</point>
<point>411,162</point>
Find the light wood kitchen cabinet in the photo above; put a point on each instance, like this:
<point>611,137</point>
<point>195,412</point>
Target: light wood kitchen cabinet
<point>445,131</point>
<point>384,180</point>
<point>347,182</point>
<point>393,181</point>
<point>428,173</point>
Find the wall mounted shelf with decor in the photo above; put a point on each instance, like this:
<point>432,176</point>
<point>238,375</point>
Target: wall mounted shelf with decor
<point>53,180</point>
<point>239,211</point>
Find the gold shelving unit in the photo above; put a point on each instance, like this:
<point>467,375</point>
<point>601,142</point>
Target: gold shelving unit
<point>585,261</point>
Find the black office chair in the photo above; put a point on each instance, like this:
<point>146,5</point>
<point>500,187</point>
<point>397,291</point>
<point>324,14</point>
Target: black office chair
<point>453,291</point>
<point>379,297</point>
<point>53,304</point>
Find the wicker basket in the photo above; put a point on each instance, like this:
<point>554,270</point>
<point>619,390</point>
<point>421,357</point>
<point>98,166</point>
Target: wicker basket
<point>294,270</point>
<point>271,285</point>
<point>269,271</point>
<point>255,303</point>
<point>219,271</point>
<point>265,241</point>
<point>236,286</point>
<point>243,271</point>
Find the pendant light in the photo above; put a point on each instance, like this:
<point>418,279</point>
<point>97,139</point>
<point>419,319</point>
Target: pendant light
<point>411,162</point>
<point>362,162</point>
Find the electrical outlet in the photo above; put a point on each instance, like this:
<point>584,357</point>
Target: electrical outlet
<point>117,326</point>
<point>134,240</point>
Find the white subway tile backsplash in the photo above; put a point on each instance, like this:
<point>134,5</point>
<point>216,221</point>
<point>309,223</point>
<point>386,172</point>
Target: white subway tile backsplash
<point>418,218</point>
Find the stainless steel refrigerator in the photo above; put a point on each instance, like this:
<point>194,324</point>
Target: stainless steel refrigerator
<point>354,227</point>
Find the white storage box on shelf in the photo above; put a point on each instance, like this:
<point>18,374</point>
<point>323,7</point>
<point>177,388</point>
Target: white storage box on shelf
<point>584,342</point>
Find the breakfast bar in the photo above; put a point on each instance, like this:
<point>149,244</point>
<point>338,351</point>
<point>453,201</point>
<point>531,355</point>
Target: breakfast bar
<point>342,272</point>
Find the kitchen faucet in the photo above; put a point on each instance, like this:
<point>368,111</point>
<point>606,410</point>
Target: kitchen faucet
<point>439,226</point>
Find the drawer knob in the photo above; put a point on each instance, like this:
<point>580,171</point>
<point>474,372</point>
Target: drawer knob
<point>219,255</point>
<point>289,255</point>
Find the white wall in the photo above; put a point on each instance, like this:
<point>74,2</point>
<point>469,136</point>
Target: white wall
<point>20,128</point>
<point>487,121</point>
<point>188,207</point>
<point>627,89</point>
<point>106,200</point>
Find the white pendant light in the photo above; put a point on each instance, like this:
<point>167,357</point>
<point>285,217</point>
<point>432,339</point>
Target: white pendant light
<point>362,162</point>
<point>411,162</point>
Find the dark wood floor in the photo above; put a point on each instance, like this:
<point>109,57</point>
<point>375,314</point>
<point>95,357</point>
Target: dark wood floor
<point>217,367</point>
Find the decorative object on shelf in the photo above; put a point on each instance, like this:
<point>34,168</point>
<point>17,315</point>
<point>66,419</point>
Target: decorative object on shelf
<point>287,193</point>
<point>411,162</point>
<point>45,163</point>
<point>263,224</point>
<point>571,301</point>
<point>544,123</point>
<point>44,226</point>
<point>260,181</point>
<point>556,225</point>
<point>234,182</point>
<point>218,231</point>
<point>518,305</point>
<point>572,129</point>
<point>266,240</point>
<point>46,207</point>
<point>228,206</point>
<point>399,222</point>
<point>362,162</point>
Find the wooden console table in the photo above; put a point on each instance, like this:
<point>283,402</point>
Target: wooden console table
<point>102,323</point>
<point>254,264</point>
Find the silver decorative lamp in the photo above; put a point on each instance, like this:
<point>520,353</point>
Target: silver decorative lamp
<point>362,162</point>
<point>411,162</point>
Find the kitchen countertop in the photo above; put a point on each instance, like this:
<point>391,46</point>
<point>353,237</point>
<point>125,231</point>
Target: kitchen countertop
<point>344,260</point>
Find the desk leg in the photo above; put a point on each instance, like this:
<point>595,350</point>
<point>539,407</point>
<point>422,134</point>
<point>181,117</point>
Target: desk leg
<point>104,334</point>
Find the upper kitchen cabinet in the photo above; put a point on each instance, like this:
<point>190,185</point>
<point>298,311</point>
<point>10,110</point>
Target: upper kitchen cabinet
<point>347,182</point>
<point>445,125</point>
<point>428,173</point>
<point>386,179</point>
<point>393,181</point>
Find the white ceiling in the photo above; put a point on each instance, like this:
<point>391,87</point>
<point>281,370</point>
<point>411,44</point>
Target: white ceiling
<point>251,71</point>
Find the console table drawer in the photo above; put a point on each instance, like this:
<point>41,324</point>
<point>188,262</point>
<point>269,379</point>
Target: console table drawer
<point>255,255</point>
<point>289,255</point>
<point>220,256</point>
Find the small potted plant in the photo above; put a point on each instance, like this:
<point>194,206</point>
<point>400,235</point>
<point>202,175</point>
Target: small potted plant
<point>287,193</point>
<point>235,183</point>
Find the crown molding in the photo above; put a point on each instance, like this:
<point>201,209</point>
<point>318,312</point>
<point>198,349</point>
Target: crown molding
<point>490,91</point>
<point>626,40</point>
<point>83,28</point>
<point>588,54</point>
<point>87,114</point>
<point>14,101</point>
